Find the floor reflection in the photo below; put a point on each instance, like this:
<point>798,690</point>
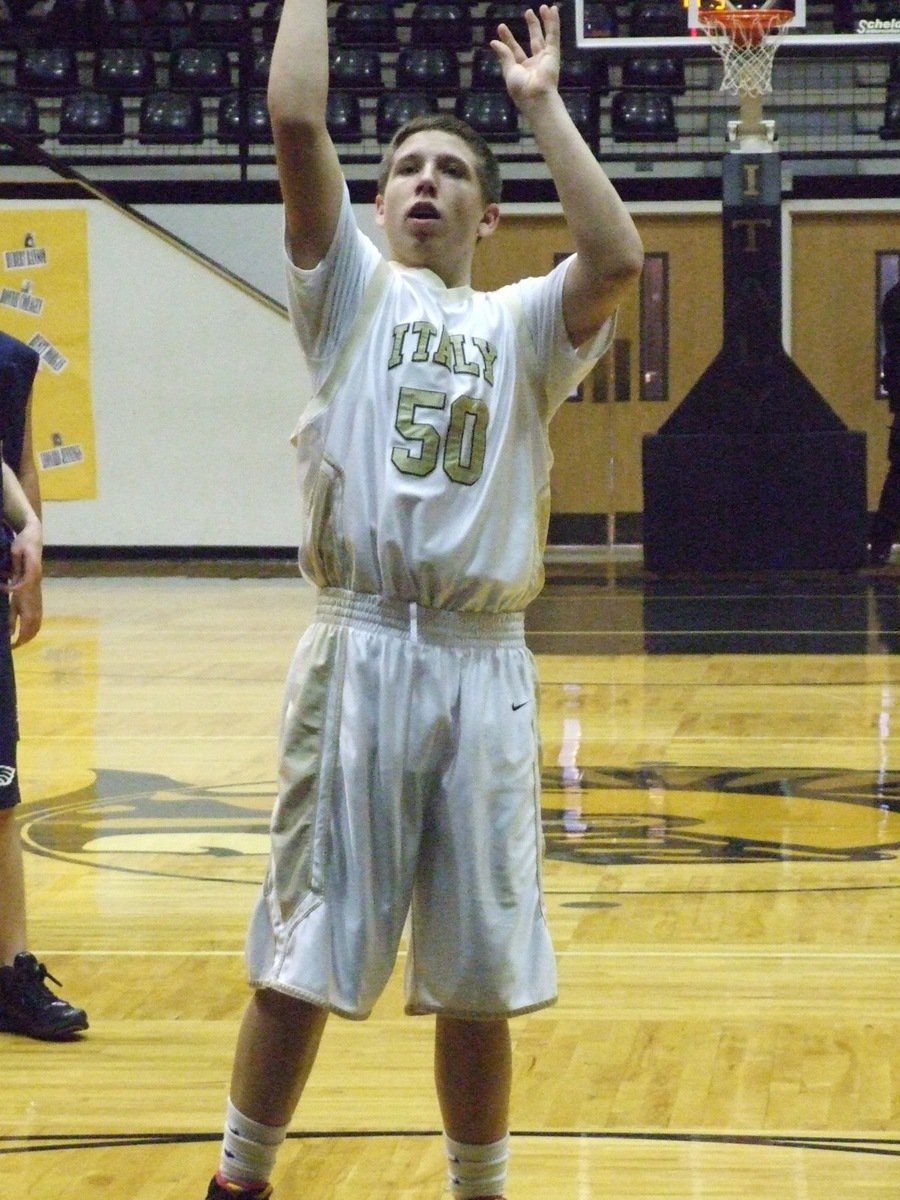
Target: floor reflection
<point>610,609</point>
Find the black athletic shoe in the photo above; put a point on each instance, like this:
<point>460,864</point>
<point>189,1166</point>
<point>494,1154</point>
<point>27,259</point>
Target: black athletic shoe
<point>28,1006</point>
<point>880,553</point>
<point>232,1191</point>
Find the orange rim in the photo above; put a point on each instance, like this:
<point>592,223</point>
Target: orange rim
<point>744,24</point>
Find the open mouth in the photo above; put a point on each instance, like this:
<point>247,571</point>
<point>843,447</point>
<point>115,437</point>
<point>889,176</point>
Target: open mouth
<point>423,211</point>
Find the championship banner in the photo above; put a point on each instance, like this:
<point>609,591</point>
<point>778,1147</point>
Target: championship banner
<point>44,303</point>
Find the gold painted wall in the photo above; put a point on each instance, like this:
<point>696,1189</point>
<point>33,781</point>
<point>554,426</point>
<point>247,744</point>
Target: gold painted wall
<point>598,445</point>
<point>834,311</point>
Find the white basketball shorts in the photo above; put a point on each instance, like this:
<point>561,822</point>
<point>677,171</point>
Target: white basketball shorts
<point>409,788</point>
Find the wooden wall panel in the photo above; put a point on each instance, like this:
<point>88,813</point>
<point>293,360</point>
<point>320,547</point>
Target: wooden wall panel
<point>597,447</point>
<point>834,318</point>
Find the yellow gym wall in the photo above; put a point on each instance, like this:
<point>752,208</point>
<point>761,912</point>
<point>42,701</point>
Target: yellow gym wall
<point>834,314</point>
<point>597,446</point>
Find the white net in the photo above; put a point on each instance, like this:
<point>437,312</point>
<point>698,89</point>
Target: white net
<point>746,40</point>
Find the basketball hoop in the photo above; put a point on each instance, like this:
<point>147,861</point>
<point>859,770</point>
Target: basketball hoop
<point>746,40</point>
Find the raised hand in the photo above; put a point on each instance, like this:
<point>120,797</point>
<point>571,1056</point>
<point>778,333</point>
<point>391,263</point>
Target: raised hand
<point>530,75</point>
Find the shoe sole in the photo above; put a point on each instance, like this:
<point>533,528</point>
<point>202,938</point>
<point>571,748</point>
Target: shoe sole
<point>62,1034</point>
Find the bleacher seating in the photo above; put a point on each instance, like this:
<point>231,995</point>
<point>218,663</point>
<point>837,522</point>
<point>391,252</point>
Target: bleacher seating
<point>643,117</point>
<point>243,119</point>
<point>91,118</point>
<point>654,71</point>
<point>344,117</point>
<point>19,114</point>
<point>365,23</point>
<point>396,107</point>
<point>356,69</point>
<point>441,23</point>
<point>203,69</point>
<point>171,118</point>
<point>215,23</point>
<point>492,114</point>
<point>438,49</point>
<point>435,69</point>
<point>47,70</point>
<point>125,70</point>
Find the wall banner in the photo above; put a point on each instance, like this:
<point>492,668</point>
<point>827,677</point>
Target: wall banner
<point>44,303</point>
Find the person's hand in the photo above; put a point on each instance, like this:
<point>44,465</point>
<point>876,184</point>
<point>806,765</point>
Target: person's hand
<point>530,76</point>
<point>24,585</point>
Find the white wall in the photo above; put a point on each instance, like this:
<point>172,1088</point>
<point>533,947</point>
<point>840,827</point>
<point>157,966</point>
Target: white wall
<point>244,238</point>
<point>196,389</point>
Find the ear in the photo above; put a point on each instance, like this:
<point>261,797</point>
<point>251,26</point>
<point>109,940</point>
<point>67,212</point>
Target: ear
<point>489,221</point>
<point>379,210</point>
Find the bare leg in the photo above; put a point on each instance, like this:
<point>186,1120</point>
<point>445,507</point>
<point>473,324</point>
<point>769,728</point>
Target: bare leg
<point>276,1049</point>
<point>12,889</point>
<point>473,1076</point>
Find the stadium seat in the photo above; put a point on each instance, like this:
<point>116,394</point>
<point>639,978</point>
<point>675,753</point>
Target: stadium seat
<point>236,124</point>
<point>92,117</point>
<point>19,114</point>
<point>126,70</point>
<point>584,69</point>
<point>643,117</point>
<point>169,26</point>
<point>260,61</point>
<point>584,109</point>
<point>356,69</point>
<point>200,69</point>
<point>510,14</point>
<point>343,117</point>
<point>486,72</point>
<point>46,70</point>
<point>492,114</point>
<point>440,23</point>
<point>218,24</point>
<point>432,68</point>
<point>358,23</point>
<point>393,109</point>
<point>651,71</point>
<point>171,117</point>
<point>658,20</point>
<point>890,130</point>
<point>8,30</point>
<point>269,21</point>
<point>129,26</point>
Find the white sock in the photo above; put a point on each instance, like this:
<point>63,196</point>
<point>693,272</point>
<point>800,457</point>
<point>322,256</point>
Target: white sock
<point>476,1170</point>
<point>248,1148</point>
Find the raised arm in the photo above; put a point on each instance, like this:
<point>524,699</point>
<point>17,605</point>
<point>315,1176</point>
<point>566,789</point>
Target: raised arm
<point>609,254</point>
<point>308,165</point>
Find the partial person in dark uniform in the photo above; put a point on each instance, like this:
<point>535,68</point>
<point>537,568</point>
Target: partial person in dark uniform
<point>27,1005</point>
<point>886,521</point>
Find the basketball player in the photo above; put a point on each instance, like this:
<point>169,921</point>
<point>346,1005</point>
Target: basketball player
<point>886,521</point>
<point>409,780</point>
<point>27,1005</point>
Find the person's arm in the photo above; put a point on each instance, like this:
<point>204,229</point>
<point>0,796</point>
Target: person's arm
<point>308,166</point>
<point>24,605</point>
<point>609,254</point>
<point>24,582</point>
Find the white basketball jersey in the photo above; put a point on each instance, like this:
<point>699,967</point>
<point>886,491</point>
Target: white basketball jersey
<point>424,454</point>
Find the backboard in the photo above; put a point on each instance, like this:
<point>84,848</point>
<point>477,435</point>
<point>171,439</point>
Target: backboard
<point>665,24</point>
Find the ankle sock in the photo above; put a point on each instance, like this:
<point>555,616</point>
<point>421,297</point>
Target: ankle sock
<point>476,1171</point>
<point>249,1150</point>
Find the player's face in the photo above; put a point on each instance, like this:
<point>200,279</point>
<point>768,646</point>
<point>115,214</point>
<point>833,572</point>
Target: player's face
<point>432,209</point>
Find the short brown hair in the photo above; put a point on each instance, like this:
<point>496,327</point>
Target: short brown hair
<point>486,166</point>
